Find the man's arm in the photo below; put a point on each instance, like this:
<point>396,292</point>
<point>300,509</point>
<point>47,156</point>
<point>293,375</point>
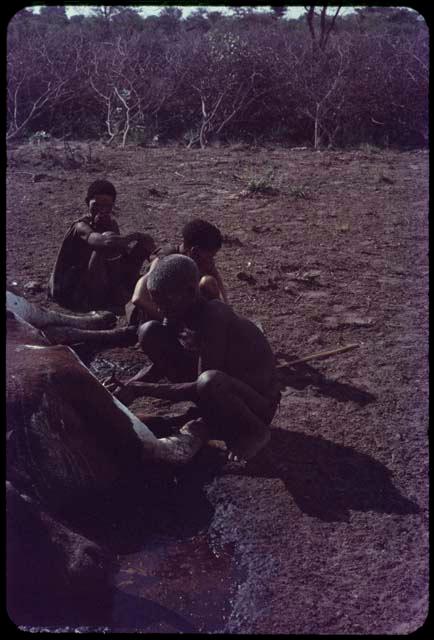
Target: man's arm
<point>141,237</point>
<point>177,392</point>
<point>98,240</point>
<point>219,280</point>
<point>142,298</point>
<point>209,268</point>
<point>110,241</point>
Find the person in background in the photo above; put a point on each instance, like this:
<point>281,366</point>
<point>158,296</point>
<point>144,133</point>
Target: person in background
<point>201,241</point>
<point>97,267</point>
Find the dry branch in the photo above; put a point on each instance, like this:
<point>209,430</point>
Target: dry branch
<point>321,355</point>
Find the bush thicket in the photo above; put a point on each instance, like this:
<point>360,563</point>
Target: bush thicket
<point>251,76</point>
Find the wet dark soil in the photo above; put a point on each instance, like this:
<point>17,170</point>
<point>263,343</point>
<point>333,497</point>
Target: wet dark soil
<point>327,530</point>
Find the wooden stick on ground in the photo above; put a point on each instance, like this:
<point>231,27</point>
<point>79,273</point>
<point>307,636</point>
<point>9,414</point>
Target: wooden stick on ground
<point>320,355</point>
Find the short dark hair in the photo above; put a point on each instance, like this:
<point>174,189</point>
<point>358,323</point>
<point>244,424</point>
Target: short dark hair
<point>100,187</point>
<point>202,234</point>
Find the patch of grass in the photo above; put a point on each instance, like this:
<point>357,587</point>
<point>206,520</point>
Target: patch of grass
<point>369,148</point>
<point>261,184</point>
<point>68,155</point>
<point>49,154</point>
<point>299,192</point>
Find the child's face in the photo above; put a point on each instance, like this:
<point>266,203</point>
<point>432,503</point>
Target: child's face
<point>100,208</point>
<point>204,258</point>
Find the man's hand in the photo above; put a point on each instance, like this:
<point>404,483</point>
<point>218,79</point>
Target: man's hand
<point>111,382</point>
<point>144,238</point>
<point>134,236</point>
<point>117,388</point>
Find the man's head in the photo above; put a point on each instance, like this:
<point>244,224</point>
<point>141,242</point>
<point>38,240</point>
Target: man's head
<point>202,240</point>
<point>100,198</point>
<point>174,285</point>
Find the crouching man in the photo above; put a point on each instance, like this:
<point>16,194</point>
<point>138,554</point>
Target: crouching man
<point>230,376</point>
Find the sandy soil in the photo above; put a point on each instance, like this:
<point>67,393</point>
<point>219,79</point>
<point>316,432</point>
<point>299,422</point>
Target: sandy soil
<point>328,527</point>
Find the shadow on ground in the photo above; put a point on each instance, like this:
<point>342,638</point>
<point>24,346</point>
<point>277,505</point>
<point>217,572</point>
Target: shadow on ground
<point>328,480</point>
<point>300,376</point>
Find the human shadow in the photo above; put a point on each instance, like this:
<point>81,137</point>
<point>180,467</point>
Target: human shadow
<point>302,375</point>
<point>328,480</point>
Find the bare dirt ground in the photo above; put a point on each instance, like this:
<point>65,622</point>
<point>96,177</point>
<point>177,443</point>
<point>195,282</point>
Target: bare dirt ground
<point>327,530</point>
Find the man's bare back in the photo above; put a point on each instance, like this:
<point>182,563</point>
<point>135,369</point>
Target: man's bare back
<point>244,352</point>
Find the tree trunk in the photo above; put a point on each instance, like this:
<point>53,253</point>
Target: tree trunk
<point>317,137</point>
